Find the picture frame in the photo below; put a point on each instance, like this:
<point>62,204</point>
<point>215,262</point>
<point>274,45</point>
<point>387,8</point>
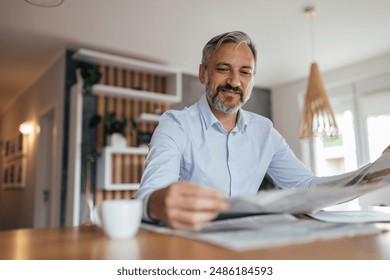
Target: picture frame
<point>14,161</point>
<point>14,147</point>
<point>14,174</point>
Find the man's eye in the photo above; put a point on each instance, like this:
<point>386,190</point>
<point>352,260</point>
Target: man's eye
<point>245,73</point>
<point>222,69</point>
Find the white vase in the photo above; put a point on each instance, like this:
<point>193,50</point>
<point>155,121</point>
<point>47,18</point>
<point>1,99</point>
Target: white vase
<point>116,140</point>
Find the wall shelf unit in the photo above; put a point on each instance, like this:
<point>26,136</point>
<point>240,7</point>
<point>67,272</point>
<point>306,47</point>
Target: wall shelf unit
<point>134,90</point>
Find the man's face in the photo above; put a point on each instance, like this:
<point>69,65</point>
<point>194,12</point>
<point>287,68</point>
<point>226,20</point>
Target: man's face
<point>229,77</point>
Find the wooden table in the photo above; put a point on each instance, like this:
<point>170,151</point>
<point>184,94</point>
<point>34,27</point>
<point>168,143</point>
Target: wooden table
<point>89,243</point>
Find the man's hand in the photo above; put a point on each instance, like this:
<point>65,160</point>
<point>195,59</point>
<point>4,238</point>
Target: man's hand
<point>187,206</point>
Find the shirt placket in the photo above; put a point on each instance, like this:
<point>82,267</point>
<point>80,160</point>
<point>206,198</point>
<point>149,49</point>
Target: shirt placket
<point>232,164</point>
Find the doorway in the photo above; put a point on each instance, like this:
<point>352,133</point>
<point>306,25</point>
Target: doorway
<point>46,211</point>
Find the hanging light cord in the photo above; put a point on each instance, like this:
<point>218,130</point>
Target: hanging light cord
<point>313,50</point>
<point>311,12</point>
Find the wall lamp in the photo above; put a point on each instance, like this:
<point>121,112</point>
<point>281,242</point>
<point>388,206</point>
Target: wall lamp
<point>26,128</point>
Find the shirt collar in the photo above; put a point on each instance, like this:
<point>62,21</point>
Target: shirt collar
<point>210,119</point>
<point>241,122</point>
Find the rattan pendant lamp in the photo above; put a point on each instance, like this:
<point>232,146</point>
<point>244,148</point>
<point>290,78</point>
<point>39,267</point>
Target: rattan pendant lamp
<point>317,117</point>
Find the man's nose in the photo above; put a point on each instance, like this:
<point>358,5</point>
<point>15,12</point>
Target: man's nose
<point>234,80</point>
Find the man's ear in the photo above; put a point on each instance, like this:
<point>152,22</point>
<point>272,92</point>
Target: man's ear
<point>201,74</point>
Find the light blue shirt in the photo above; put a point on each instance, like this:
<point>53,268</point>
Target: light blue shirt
<point>191,145</point>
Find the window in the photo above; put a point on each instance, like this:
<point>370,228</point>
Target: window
<point>336,156</point>
<point>364,123</point>
<point>375,115</point>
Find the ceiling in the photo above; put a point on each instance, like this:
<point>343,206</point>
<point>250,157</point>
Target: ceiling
<point>173,32</point>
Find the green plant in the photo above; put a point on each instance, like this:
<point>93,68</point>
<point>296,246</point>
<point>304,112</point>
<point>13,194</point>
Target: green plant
<point>91,75</point>
<point>113,125</point>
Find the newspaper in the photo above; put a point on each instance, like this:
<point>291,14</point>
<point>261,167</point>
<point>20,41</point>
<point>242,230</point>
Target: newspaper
<point>265,231</point>
<point>324,192</point>
<point>267,218</point>
<point>355,216</point>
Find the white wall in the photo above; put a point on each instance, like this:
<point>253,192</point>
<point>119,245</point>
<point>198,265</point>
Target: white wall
<point>287,99</point>
<point>17,206</point>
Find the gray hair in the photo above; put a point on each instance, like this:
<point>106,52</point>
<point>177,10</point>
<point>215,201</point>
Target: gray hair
<point>238,37</point>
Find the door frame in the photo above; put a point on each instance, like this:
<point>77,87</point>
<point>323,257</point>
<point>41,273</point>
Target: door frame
<point>47,157</point>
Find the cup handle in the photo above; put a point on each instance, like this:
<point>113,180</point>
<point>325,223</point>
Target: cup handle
<point>97,215</point>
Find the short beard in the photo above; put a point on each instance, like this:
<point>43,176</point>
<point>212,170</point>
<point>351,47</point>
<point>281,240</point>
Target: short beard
<point>218,104</point>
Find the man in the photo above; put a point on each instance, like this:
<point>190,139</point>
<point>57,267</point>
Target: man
<point>213,150</point>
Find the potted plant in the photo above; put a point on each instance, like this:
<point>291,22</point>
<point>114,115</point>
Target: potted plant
<point>115,130</point>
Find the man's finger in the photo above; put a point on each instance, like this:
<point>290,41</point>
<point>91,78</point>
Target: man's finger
<point>202,203</point>
<point>188,220</point>
<point>189,189</point>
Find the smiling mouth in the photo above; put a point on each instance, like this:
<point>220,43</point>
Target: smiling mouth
<point>229,89</point>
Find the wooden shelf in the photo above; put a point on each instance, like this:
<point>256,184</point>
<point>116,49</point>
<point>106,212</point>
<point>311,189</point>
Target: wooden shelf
<point>147,117</point>
<point>135,94</point>
<point>121,61</point>
<point>105,167</point>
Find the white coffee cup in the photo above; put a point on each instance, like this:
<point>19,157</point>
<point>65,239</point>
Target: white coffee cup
<point>119,219</point>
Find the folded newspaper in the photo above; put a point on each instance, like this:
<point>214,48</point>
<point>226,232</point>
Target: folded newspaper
<point>324,192</point>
